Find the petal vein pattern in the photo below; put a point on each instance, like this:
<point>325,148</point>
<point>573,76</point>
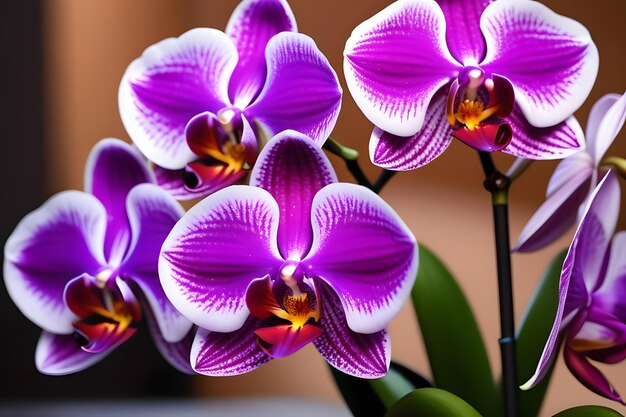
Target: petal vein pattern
<point>372,274</point>
<point>215,251</point>
<point>396,61</point>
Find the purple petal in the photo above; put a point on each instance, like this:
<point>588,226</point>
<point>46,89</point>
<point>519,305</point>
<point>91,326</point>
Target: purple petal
<point>112,169</point>
<point>559,212</point>
<point>227,354</point>
<point>578,266</point>
<point>396,61</point>
<point>588,374</point>
<point>596,229</point>
<point>556,142</point>
<point>52,245</point>
<point>465,41</point>
<point>251,26</point>
<point>401,154</point>
<point>605,122</point>
<point>550,59</point>
<point>357,354</point>
<point>302,91</point>
<point>215,251</point>
<point>153,214</point>
<point>170,83</point>
<point>374,273</point>
<point>62,354</point>
<point>293,168</point>
<point>176,354</point>
<point>613,287</point>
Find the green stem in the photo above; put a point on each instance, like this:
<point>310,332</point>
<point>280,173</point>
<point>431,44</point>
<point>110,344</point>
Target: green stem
<point>351,158</point>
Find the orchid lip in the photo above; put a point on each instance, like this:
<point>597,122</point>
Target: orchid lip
<point>107,313</point>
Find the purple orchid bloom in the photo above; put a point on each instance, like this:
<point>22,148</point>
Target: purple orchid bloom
<point>294,258</point>
<point>202,105</point>
<point>83,267</point>
<point>505,75</point>
<point>591,315</point>
<point>575,177</point>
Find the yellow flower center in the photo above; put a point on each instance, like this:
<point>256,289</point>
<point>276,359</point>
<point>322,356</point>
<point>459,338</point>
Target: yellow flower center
<point>470,113</point>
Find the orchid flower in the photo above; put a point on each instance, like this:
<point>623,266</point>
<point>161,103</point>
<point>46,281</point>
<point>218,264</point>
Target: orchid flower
<point>591,314</point>
<point>201,106</point>
<point>575,177</point>
<point>83,267</point>
<point>505,75</point>
<point>294,258</point>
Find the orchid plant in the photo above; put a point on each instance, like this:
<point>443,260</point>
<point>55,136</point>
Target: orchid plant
<point>279,254</point>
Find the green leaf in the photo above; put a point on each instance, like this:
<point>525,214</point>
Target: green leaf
<point>455,348</point>
<point>431,402</point>
<point>372,397</point>
<point>532,334</point>
<point>589,411</point>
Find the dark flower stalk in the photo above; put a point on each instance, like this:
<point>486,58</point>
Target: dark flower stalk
<point>498,185</point>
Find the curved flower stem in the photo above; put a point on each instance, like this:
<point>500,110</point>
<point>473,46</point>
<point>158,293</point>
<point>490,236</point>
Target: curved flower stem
<point>498,185</point>
<point>383,178</point>
<point>351,158</point>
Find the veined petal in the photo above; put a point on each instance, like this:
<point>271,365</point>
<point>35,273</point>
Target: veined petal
<point>465,41</point>
<point>215,251</point>
<point>52,245</point>
<point>292,168</point>
<point>577,266</point>
<point>396,61</point>
<point>170,83</point>
<point>61,354</point>
<point>372,275</point>
<point>558,212</point>
<point>605,121</point>
<point>153,214</point>
<point>588,374</point>
<point>302,91</point>
<point>556,142</point>
<point>550,59</point>
<point>113,168</point>
<point>361,355</point>
<point>228,354</point>
<point>251,26</point>
<point>401,154</point>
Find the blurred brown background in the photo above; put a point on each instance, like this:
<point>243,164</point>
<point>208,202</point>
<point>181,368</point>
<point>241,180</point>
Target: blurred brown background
<point>86,48</point>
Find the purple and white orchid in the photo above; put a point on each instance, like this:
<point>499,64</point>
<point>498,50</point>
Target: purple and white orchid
<point>201,106</point>
<point>575,177</point>
<point>83,267</point>
<point>294,258</point>
<point>504,75</point>
<point>591,315</point>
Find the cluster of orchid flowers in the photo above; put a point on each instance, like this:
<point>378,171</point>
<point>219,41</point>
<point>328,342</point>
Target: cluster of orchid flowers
<point>257,271</point>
